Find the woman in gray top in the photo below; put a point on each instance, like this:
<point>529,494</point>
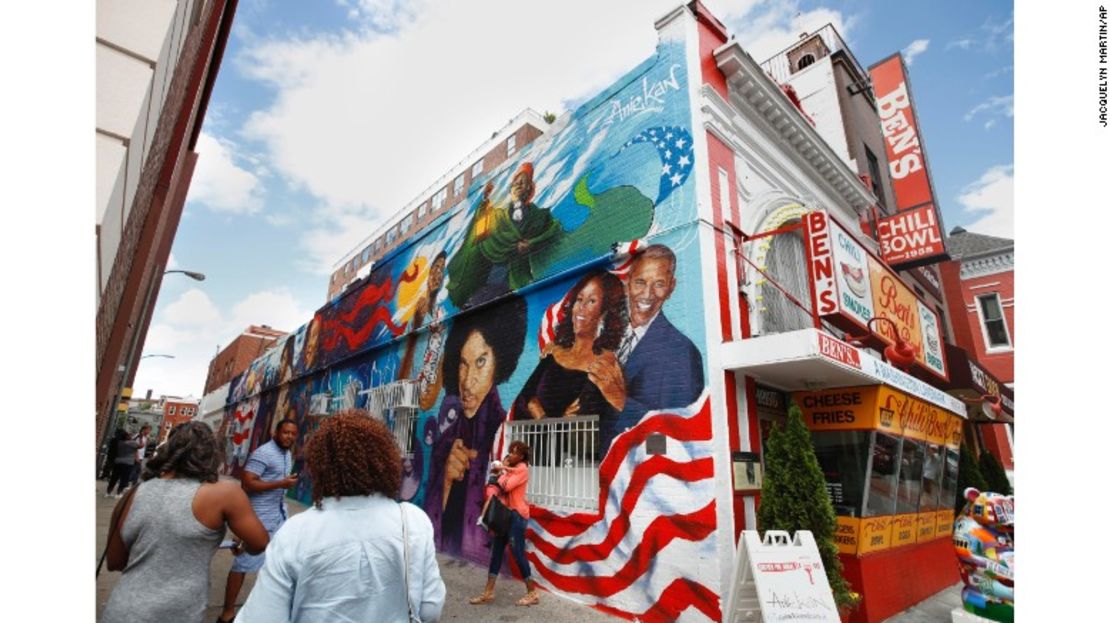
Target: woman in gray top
<point>171,527</point>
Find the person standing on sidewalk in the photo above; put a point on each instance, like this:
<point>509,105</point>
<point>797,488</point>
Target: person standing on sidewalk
<point>140,453</point>
<point>513,482</point>
<point>357,554</point>
<point>164,535</point>
<point>124,463</point>
<point>265,478</point>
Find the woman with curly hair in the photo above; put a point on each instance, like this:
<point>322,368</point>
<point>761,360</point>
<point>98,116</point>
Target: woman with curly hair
<point>357,554</point>
<point>170,527</point>
<point>594,316</point>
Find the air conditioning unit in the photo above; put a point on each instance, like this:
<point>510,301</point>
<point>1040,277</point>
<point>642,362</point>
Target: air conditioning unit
<point>398,394</point>
<point>319,404</point>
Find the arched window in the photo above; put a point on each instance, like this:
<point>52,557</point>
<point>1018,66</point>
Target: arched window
<point>786,264</point>
<point>805,61</point>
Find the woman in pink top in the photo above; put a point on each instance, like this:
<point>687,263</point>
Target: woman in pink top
<point>512,482</point>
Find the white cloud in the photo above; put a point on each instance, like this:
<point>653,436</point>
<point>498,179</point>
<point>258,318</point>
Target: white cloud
<point>993,108</point>
<point>990,201</point>
<point>192,326</point>
<point>366,119</point>
<point>963,44</point>
<point>766,28</point>
<point>219,182</point>
<point>193,308</point>
<point>914,49</point>
<point>383,15</point>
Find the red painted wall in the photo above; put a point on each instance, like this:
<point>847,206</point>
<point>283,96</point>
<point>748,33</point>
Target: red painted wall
<point>893,580</point>
<point>966,328</point>
<point>968,334</point>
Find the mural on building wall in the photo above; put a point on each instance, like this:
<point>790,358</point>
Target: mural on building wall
<point>567,284</point>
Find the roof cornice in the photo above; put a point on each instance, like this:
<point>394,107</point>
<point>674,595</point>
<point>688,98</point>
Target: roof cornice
<point>749,84</point>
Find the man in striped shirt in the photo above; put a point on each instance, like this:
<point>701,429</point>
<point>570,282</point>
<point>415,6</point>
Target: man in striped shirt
<point>265,478</point>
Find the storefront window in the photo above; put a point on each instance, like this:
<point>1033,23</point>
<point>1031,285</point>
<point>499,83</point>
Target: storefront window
<point>909,476</point>
<point>931,473</point>
<point>843,458</point>
<point>884,475</point>
<point>948,485</point>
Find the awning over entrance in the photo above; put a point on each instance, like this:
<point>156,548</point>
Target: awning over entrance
<point>811,359</point>
<point>969,379</point>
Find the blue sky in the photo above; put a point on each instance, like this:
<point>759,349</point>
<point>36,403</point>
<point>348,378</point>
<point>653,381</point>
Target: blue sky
<point>329,116</point>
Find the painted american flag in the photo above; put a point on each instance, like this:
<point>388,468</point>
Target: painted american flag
<point>652,508</point>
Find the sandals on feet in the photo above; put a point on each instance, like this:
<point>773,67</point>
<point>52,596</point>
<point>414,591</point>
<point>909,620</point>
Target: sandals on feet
<point>484,598</point>
<point>530,598</point>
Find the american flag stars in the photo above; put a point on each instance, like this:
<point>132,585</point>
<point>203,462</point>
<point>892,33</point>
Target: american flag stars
<point>675,149</point>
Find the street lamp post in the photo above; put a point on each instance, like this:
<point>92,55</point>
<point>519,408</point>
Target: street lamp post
<point>126,368</point>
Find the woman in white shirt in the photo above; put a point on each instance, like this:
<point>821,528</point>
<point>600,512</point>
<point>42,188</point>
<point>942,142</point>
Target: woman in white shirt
<point>345,558</point>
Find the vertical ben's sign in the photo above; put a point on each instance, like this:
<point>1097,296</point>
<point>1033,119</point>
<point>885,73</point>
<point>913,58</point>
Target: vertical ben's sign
<point>914,236</point>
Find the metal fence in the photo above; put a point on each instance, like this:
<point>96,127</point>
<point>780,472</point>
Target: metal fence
<point>563,473</point>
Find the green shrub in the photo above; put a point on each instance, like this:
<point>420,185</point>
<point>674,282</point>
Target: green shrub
<point>794,497</point>
<point>969,476</point>
<point>994,474</point>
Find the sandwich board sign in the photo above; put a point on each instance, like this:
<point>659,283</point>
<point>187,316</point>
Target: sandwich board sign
<point>779,579</point>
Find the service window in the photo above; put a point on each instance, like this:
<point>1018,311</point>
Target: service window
<point>882,487</point>
<point>909,476</point>
<point>948,484</point>
<point>843,458</point>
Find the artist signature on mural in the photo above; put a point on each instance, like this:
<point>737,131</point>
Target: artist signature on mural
<point>794,601</point>
<point>650,99</point>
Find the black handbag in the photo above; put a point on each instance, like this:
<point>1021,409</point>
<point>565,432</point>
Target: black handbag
<point>497,517</point>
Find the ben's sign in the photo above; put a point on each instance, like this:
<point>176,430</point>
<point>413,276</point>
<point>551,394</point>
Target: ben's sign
<point>915,235</point>
<point>850,286</point>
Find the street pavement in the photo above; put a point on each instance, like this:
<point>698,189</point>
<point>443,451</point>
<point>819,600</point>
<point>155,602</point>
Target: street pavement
<point>463,581</point>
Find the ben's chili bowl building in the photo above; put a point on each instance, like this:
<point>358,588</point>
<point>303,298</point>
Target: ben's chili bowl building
<point>711,235</point>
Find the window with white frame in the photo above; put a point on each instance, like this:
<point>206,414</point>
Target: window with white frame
<point>993,321</point>
<point>511,146</point>
<point>422,210</point>
<point>476,170</point>
<point>406,223</point>
<point>172,409</point>
<point>438,199</point>
<point>459,185</point>
<point>563,473</point>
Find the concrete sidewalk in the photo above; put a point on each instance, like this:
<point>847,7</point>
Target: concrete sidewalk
<point>934,609</point>
<point>463,581</point>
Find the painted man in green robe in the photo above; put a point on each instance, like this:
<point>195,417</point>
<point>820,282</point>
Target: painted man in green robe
<point>494,257</point>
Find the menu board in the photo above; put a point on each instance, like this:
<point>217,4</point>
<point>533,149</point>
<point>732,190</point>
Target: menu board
<point>779,578</point>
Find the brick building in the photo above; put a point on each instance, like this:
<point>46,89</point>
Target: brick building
<point>236,356</point>
<point>979,284</point>
<point>156,63</point>
<point>700,229</point>
<point>176,410</point>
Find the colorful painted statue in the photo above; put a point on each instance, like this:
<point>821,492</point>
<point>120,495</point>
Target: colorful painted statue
<point>984,539</point>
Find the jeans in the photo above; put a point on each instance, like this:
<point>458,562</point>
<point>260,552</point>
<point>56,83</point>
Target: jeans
<point>515,541</point>
<point>121,473</point>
